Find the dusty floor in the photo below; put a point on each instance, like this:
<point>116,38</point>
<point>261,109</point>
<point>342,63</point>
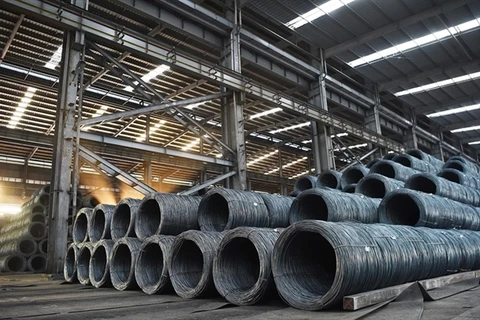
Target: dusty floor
<point>36,297</point>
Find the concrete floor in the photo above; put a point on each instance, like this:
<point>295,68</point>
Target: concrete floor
<point>35,297</point>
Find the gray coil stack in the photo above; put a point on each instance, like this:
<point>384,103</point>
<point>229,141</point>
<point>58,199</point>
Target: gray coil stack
<point>375,185</point>
<point>330,179</point>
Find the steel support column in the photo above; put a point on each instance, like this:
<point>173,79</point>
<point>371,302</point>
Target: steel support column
<point>410,139</point>
<point>62,152</point>
<point>437,151</point>
<point>372,122</point>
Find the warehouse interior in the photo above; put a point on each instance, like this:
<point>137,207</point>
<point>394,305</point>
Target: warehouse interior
<point>106,100</point>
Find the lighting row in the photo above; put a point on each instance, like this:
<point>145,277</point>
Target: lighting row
<point>21,107</point>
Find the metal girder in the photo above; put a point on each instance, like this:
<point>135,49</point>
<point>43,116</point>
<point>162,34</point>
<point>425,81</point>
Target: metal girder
<point>93,159</point>
<point>446,105</point>
<point>468,140</point>
<point>12,36</point>
<point>358,160</point>
<point>397,25</point>
<point>426,74</point>
<point>207,183</point>
<point>460,124</point>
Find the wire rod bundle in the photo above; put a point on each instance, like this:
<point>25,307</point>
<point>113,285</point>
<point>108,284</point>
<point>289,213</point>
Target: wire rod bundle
<point>389,156</point>
<point>393,170</point>
<point>413,208</point>
<point>99,268</point>
<point>414,163</point>
<point>351,188</point>
<point>191,261</point>
<point>468,166</point>
<point>35,230</point>
<point>242,270</point>
<point>23,221</point>
<point>70,263</point>
<point>84,254</point>
<point>330,179</point>
<point>151,269</point>
<point>429,183</point>
<point>460,178</point>
<point>278,209</point>
<point>323,204</point>
<point>350,258</point>
<point>25,246</point>
<point>163,213</point>
<point>99,226</point>
<point>352,175</point>
<point>372,162</point>
<point>419,154</point>
<point>223,209</point>
<point>304,183</point>
<point>123,218</point>
<point>42,195</point>
<point>80,225</point>
<point>89,201</point>
<point>43,246</point>
<point>37,263</point>
<point>13,263</point>
<point>375,185</point>
<point>122,263</point>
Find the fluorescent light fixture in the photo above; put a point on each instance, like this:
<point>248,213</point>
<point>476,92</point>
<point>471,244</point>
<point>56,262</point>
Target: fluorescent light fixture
<point>361,145</point>
<point>296,126</point>
<point>261,158</point>
<point>178,182</point>
<point>153,129</point>
<point>474,142</point>
<point>466,129</point>
<point>440,84</point>
<point>191,144</point>
<point>339,135</point>
<point>416,43</point>
<point>55,59</point>
<point>301,174</point>
<point>306,141</point>
<point>149,76</point>
<point>316,13</point>
<point>194,105</point>
<point>21,107</point>
<point>287,165</point>
<point>264,113</point>
<point>454,111</point>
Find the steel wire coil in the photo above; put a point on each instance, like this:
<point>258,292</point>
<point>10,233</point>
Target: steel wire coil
<point>242,270</point>
<point>99,226</point>
<point>304,183</point>
<point>70,263</point>
<point>352,175</point>
<point>13,263</point>
<point>151,269</point>
<point>419,154</point>
<point>99,266</point>
<point>375,185</point>
<point>429,183</point>
<point>413,208</point>
<point>470,167</point>
<point>294,193</point>
<point>372,162</point>
<point>394,170</point>
<point>80,225</point>
<point>389,156</point>
<point>330,179</point>
<point>350,258</point>
<point>25,246</point>
<point>122,263</point>
<point>460,178</point>
<point>278,209</point>
<point>191,261</point>
<point>123,218</point>
<point>224,209</point>
<point>43,195</point>
<point>37,263</point>
<point>43,246</point>
<point>23,221</point>
<point>415,163</point>
<point>89,201</point>
<point>35,230</point>
<point>351,188</point>
<point>84,254</point>
<point>328,205</point>
<point>163,213</point>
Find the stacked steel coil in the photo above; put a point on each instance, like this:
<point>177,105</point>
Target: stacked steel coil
<point>353,175</point>
<point>329,179</point>
<point>393,170</point>
<point>375,185</point>
<point>304,183</point>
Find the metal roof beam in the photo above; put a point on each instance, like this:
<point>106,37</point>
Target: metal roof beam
<point>446,105</point>
<point>461,124</point>
<point>12,36</point>
<point>397,25</point>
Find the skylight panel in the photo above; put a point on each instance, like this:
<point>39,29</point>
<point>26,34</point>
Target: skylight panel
<point>21,107</point>
<point>150,75</point>
<point>55,59</point>
<point>466,129</point>
<point>153,129</point>
<point>191,144</point>
<point>287,165</point>
<point>296,126</point>
<point>415,43</point>
<point>316,13</point>
<point>265,113</point>
<point>261,158</point>
<point>454,111</point>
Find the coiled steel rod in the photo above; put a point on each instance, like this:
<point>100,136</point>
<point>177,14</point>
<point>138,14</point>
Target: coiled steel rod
<point>330,179</point>
<point>393,170</point>
<point>414,163</point>
<point>389,156</point>
<point>80,225</point>
<point>349,258</point>
<point>352,175</point>
<point>163,213</point>
<point>224,209</point>
<point>123,218</point>
<point>351,188</point>
<point>460,178</point>
<point>304,183</point>
<point>13,263</point>
<point>24,246</point>
<point>413,208</point>
<point>278,209</point>
<point>70,263</point>
<point>191,261</point>
<point>323,204</point>
<point>122,263</point>
<point>84,254</point>
<point>151,269</point>
<point>372,162</point>
<point>375,185</point>
<point>468,167</point>
<point>37,263</point>
<point>99,226</point>
<point>419,154</point>
<point>242,270</point>
<point>99,268</point>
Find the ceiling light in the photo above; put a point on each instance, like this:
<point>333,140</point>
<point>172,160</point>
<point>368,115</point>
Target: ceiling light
<point>301,174</point>
<point>474,142</point>
<point>440,84</point>
<point>21,107</point>
<point>454,111</point>
<point>55,59</point>
<point>287,165</point>
<point>361,145</point>
<point>466,129</point>
<point>415,43</point>
<point>149,76</point>
<point>191,144</point>
<point>261,158</point>
<point>317,12</point>
<point>153,129</point>
<point>296,126</point>
<point>264,113</point>
<point>194,105</point>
